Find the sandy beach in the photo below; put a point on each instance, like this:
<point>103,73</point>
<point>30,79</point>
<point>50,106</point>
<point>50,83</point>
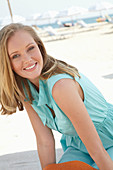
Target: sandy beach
<point>90,49</point>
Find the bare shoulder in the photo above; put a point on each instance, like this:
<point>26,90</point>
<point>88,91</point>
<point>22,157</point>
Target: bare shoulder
<point>63,83</point>
<point>67,88</point>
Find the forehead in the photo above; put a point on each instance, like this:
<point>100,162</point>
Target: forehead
<point>21,34</point>
<point>19,39</point>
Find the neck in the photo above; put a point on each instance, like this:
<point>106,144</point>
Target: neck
<point>36,83</point>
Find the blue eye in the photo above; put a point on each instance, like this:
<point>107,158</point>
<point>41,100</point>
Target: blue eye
<point>15,56</point>
<point>30,48</point>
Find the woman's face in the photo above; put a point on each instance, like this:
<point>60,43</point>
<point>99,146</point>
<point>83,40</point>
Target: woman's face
<point>25,56</point>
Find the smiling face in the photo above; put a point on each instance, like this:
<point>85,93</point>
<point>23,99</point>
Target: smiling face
<point>25,56</point>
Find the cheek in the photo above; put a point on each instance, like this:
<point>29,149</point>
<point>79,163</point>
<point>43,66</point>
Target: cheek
<point>15,67</point>
<point>39,56</point>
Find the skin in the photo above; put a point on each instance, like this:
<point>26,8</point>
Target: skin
<point>26,61</point>
<point>25,56</point>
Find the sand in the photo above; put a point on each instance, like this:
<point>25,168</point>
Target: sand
<point>91,51</point>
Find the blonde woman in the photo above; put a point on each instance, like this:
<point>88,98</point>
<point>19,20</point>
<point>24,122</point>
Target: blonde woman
<point>55,96</point>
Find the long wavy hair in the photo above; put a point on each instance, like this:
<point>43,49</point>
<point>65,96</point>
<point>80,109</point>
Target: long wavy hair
<point>11,84</point>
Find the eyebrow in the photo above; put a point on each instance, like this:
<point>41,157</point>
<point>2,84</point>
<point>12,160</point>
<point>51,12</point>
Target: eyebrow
<point>17,51</point>
<point>13,53</point>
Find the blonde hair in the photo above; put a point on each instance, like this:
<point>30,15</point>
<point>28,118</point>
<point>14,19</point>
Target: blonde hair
<point>11,84</point>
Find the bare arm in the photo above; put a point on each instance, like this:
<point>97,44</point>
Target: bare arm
<point>68,97</point>
<point>44,137</point>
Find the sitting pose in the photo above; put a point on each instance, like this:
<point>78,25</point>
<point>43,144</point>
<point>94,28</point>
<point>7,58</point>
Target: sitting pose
<point>56,96</point>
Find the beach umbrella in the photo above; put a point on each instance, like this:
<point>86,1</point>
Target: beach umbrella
<point>36,16</point>
<point>72,11</point>
<point>33,18</point>
<point>101,6</point>
<point>49,14</point>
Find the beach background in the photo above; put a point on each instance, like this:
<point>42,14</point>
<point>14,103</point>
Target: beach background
<point>90,49</point>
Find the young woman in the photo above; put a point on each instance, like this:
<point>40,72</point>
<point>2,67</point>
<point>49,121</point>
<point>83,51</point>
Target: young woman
<point>56,96</point>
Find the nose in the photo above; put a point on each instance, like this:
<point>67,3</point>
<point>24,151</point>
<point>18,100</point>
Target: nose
<point>26,58</point>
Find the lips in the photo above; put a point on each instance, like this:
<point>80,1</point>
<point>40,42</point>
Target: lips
<point>30,67</point>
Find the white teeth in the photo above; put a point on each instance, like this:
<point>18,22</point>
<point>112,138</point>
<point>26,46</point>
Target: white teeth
<point>30,67</point>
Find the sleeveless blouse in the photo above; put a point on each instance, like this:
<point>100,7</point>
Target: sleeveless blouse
<point>100,111</point>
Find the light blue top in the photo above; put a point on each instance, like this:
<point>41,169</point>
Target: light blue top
<point>99,110</point>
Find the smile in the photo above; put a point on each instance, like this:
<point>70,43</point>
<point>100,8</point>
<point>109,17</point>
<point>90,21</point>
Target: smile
<point>31,67</point>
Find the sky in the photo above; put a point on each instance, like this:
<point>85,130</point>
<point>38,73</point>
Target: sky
<point>27,8</point>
